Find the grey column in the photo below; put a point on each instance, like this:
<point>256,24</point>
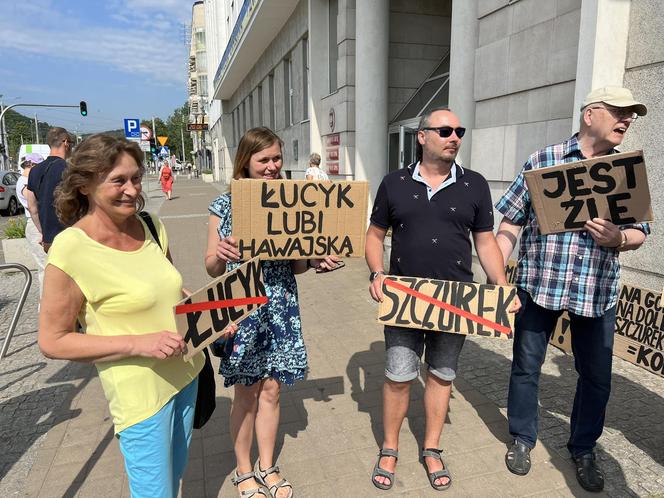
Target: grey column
<point>371,59</point>
<point>318,77</point>
<point>462,68</point>
<point>602,52</point>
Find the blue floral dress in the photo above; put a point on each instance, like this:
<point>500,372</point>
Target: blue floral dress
<point>268,342</point>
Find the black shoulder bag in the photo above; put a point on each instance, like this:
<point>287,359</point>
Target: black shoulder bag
<point>206,396</point>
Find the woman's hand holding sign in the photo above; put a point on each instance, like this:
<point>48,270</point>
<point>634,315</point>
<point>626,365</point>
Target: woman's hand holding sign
<point>159,345</point>
<point>227,250</point>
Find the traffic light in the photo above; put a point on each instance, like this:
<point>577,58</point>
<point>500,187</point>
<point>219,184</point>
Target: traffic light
<point>2,148</point>
<point>83,107</point>
<point>153,146</point>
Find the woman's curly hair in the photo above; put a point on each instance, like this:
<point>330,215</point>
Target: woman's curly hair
<point>92,160</point>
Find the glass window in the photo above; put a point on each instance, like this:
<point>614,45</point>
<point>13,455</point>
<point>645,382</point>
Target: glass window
<point>271,104</point>
<point>433,92</point>
<point>6,180</point>
<point>288,91</point>
<point>201,62</point>
<point>251,122</point>
<point>199,39</point>
<point>305,79</point>
<point>203,85</point>
<point>259,94</point>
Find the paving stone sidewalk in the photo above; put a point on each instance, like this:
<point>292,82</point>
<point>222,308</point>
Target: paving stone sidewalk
<point>55,422</point>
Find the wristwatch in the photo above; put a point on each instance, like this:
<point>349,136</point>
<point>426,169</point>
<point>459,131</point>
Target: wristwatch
<point>623,243</point>
<point>374,274</point>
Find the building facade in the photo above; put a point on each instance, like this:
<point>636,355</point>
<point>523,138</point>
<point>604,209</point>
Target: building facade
<point>349,79</point>
<point>198,86</point>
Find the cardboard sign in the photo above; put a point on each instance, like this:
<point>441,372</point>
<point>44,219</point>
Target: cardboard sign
<point>613,187</point>
<point>639,332</point>
<point>456,307</point>
<point>640,328</point>
<point>299,219</point>
<point>562,337</point>
<point>202,317</point>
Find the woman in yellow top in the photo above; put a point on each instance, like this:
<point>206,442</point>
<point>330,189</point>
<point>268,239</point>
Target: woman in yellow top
<point>108,271</point>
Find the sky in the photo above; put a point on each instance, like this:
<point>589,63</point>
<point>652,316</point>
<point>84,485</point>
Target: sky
<point>125,58</point>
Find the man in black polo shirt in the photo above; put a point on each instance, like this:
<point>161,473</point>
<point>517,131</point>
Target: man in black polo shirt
<point>432,207</point>
<point>43,180</point>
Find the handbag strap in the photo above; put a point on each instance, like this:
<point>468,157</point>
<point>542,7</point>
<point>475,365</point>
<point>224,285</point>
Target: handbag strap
<point>153,230</point>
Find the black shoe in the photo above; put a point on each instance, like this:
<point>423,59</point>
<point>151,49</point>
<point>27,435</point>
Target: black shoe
<point>517,458</point>
<point>588,473</point>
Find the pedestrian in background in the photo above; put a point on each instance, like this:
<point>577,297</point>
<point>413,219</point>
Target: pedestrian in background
<point>313,171</point>
<point>166,179</point>
<point>577,272</point>
<point>42,182</point>
<point>32,227</point>
<point>268,349</point>
<point>113,271</point>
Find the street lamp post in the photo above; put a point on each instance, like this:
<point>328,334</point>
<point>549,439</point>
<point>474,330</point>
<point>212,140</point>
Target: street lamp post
<point>182,141</point>
<point>202,132</point>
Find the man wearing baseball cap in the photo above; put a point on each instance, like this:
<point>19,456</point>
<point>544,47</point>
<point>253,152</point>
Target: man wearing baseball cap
<point>575,272</point>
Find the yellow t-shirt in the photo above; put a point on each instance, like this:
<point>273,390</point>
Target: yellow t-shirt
<point>127,293</point>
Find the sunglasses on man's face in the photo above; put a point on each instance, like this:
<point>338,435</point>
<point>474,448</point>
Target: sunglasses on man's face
<point>446,131</point>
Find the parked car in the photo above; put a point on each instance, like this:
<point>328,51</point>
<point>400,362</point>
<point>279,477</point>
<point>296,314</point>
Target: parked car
<point>9,204</point>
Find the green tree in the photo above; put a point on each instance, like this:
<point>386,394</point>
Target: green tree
<point>174,127</point>
<point>21,129</point>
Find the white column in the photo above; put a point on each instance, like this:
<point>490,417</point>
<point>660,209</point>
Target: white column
<point>602,50</point>
<point>318,77</point>
<point>371,59</point>
<point>463,44</point>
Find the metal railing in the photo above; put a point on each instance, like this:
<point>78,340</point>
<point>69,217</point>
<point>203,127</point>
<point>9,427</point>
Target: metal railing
<point>21,303</point>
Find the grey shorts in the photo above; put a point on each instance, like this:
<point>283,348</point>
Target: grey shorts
<point>404,348</point>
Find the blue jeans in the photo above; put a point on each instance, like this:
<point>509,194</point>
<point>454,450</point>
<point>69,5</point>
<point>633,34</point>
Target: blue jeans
<point>156,450</point>
<point>592,345</point>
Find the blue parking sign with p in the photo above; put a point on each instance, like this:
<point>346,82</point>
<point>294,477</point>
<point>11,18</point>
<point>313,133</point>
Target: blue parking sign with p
<point>132,128</point>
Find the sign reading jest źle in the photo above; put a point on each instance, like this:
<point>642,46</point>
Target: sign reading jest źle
<point>613,187</point>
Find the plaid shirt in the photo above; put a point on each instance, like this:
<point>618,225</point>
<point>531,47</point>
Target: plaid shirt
<point>564,271</point>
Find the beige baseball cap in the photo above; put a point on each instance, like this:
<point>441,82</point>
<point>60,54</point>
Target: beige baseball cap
<point>615,96</point>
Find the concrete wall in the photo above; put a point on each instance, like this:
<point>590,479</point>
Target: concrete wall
<point>419,38</point>
<point>525,67</point>
<point>644,74</point>
<point>341,101</point>
<point>288,43</point>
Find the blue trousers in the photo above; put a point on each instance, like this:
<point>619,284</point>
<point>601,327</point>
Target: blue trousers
<point>592,345</point>
<point>156,450</point>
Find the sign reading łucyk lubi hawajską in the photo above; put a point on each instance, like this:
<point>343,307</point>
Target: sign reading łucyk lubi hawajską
<point>299,219</point>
